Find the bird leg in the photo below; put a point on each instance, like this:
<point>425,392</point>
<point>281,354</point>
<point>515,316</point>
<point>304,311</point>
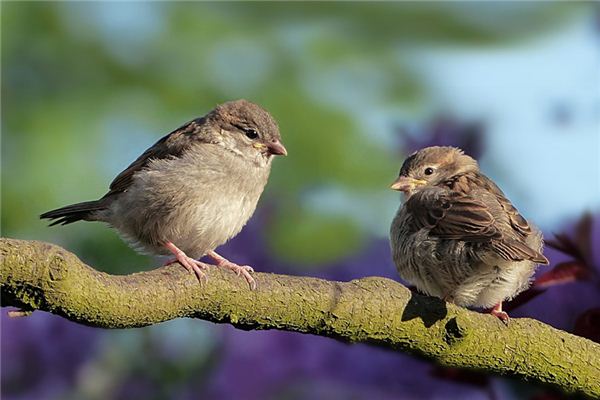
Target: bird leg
<point>497,311</point>
<point>244,270</point>
<point>188,263</point>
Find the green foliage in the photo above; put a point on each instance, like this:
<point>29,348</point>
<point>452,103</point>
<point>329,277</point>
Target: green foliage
<point>88,86</point>
<point>321,238</point>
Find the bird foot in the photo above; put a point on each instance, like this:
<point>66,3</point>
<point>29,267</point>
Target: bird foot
<point>243,270</point>
<point>502,315</point>
<point>192,265</point>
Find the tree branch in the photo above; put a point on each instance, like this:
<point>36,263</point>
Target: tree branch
<point>42,276</point>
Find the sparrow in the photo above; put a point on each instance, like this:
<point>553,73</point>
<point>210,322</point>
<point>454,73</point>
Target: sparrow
<point>193,190</point>
<point>457,236</point>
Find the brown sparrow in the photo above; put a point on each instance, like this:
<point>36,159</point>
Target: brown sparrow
<point>457,237</point>
<point>192,190</point>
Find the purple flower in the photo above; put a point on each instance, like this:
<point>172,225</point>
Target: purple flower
<point>42,354</point>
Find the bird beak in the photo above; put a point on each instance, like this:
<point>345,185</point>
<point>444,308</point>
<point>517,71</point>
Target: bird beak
<point>276,148</point>
<point>406,184</point>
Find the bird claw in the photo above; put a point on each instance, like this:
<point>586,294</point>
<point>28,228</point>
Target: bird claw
<point>243,270</point>
<point>196,268</point>
<point>502,315</point>
<point>193,266</point>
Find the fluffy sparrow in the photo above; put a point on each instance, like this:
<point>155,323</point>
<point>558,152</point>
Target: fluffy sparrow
<point>192,190</point>
<point>457,237</point>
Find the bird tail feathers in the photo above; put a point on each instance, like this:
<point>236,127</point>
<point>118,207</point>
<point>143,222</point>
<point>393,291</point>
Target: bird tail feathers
<point>517,251</point>
<point>75,212</point>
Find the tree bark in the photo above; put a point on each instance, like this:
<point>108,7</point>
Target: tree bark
<point>42,276</point>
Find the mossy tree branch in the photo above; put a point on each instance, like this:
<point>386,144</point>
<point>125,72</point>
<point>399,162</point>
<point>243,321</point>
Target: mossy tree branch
<point>41,276</point>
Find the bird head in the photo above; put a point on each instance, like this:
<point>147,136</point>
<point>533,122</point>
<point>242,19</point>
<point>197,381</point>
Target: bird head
<point>431,166</point>
<point>248,130</point>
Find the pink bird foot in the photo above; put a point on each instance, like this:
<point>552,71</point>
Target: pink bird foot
<point>244,270</point>
<point>188,263</point>
<point>497,311</point>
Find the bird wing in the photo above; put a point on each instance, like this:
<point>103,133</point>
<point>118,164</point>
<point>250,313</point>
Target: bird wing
<point>171,145</point>
<point>517,221</point>
<point>452,215</point>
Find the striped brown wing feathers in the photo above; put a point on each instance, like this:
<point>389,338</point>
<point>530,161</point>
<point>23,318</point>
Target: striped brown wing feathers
<point>517,221</point>
<point>464,184</point>
<point>452,215</point>
<point>515,250</point>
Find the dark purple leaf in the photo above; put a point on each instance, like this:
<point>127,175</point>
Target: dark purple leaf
<point>580,245</point>
<point>588,325</point>
<point>563,243</point>
<point>566,272</point>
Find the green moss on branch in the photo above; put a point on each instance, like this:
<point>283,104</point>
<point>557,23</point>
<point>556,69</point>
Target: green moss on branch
<point>41,276</point>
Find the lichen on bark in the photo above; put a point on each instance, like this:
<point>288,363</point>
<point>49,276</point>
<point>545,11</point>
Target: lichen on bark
<point>42,276</point>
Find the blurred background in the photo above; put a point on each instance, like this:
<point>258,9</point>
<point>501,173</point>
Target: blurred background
<point>87,86</point>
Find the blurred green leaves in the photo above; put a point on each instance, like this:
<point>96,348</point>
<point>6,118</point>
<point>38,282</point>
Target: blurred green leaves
<point>313,238</point>
<point>88,86</point>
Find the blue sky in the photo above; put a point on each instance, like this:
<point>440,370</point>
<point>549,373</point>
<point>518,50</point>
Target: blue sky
<point>541,102</point>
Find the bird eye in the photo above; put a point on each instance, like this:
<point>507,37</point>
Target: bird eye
<point>428,171</point>
<point>251,133</point>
